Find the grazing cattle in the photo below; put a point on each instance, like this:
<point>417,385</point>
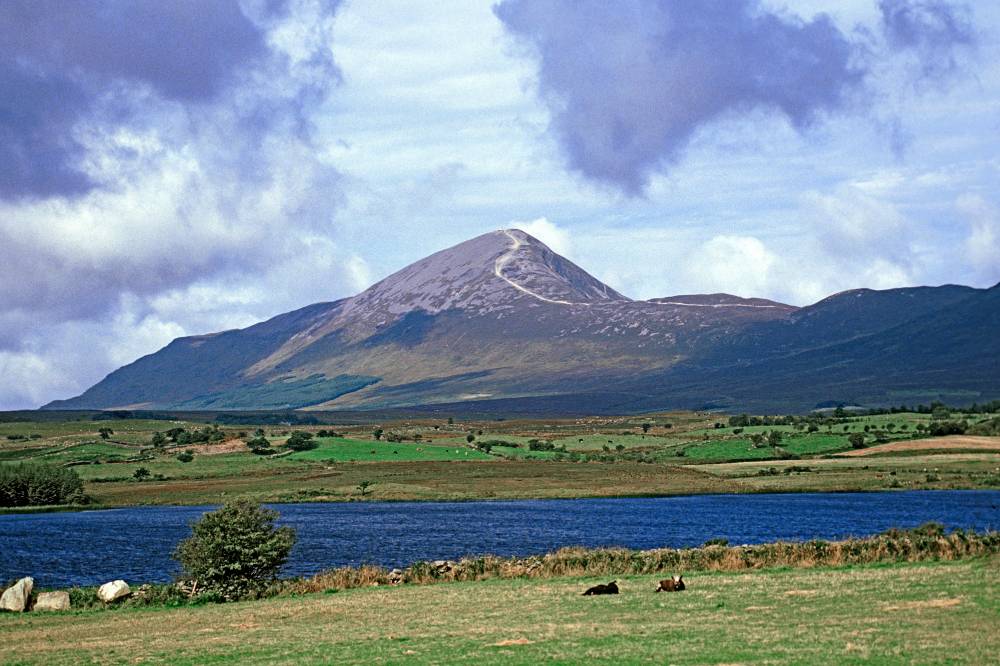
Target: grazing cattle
<point>610,588</point>
<point>675,584</point>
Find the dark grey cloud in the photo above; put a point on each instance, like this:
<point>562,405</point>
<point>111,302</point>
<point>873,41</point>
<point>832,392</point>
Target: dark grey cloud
<point>38,153</point>
<point>932,29</point>
<point>629,83</point>
<point>129,181</point>
<point>60,57</point>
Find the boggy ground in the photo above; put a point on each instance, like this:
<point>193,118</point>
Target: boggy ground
<point>660,454</point>
<point>928,613</point>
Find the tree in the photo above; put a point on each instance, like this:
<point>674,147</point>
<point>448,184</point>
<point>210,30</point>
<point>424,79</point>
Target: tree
<point>470,438</point>
<point>377,433</point>
<point>857,440</point>
<point>32,484</point>
<point>364,486</point>
<point>159,440</point>
<point>105,433</point>
<point>260,445</point>
<point>235,551</point>
<point>300,441</point>
<point>141,474</point>
<point>645,427</point>
<point>186,456</point>
<point>774,437</point>
<point>939,411</point>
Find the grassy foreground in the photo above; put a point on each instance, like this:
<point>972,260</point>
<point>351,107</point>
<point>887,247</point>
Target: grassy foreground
<point>902,613</point>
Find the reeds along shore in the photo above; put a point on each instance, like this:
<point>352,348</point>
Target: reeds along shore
<point>925,543</point>
<point>928,542</point>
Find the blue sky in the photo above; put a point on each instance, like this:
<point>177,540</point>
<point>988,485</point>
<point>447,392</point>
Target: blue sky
<point>176,168</point>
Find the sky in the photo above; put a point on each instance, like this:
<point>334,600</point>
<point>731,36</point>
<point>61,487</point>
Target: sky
<point>183,167</point>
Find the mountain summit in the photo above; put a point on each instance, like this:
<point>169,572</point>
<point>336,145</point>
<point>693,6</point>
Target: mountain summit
<point>482,275</point>
<point>501,322</point>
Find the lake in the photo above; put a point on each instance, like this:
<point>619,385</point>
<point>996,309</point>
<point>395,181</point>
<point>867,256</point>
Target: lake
<point>92,547</point>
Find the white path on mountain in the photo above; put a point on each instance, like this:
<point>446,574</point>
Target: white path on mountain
<point>516,243</point>
<point>503,260</point>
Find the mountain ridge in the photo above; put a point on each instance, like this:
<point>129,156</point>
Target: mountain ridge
<point>501,317</point>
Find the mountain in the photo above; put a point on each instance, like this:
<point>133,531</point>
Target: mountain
<point>501,322</point>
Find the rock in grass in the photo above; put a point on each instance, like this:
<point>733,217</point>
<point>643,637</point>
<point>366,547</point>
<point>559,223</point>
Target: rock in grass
<point>113,591</point>
<point>52,601</point>
<point>15,598</point>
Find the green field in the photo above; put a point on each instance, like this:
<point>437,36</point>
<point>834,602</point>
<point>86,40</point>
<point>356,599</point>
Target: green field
<point>737,448</point>
<point>928,613</point>
<point>336,449</point>
<point>443,465</point>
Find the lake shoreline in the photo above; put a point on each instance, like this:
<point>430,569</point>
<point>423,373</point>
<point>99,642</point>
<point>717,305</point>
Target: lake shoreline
<point>135,542</point>
<point>69,508</point>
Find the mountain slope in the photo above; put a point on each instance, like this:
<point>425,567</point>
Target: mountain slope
<point>502,319</point>
<point>945,344</point>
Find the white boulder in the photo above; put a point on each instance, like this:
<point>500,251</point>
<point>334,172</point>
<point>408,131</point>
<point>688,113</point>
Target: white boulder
<point>113,591</point>
<point>15,598</point>
<point>52,601</point>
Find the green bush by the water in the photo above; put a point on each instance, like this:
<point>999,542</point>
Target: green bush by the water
<point>29,484</point>
<point>235,551</point>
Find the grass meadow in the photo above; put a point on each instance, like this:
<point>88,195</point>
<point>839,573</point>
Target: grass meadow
<point>924,613</point>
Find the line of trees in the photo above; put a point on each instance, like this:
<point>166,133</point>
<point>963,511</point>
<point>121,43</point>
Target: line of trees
<point>31,484</point>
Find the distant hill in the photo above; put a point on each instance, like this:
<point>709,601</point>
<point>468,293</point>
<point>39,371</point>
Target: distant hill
<point>500,322</point>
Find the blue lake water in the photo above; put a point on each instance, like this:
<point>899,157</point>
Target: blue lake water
<point>91,547</point>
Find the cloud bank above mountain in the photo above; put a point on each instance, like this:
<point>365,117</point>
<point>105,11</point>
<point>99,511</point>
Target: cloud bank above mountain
<point>177,168</point>
<point>157,152</point>
<point>630,84</point>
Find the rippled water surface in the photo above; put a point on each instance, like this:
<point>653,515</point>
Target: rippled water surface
<point>91,547</point>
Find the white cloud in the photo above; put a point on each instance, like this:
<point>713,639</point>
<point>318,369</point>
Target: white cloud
<point>557,238</point>
<point>983,242</point>
<point>740,265</point>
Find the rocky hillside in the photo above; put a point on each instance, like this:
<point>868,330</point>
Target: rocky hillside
<point>502,320</point>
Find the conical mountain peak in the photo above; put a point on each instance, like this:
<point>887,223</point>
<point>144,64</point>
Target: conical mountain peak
<point>481,275</point>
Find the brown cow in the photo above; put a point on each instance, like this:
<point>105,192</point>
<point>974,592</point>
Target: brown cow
<point>675,584</point>
<point>610,588</point>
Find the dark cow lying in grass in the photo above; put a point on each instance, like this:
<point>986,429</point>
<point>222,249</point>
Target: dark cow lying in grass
<point>675,584</point>
<point>610,588</point>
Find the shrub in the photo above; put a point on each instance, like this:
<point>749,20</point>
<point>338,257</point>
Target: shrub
<point>944,428</point>
<point>29,484</point>
<point>259,445</point>
<point>989,427</point>
<point>185,456</point>
<point>236,551</point>
<point>300,441</point>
